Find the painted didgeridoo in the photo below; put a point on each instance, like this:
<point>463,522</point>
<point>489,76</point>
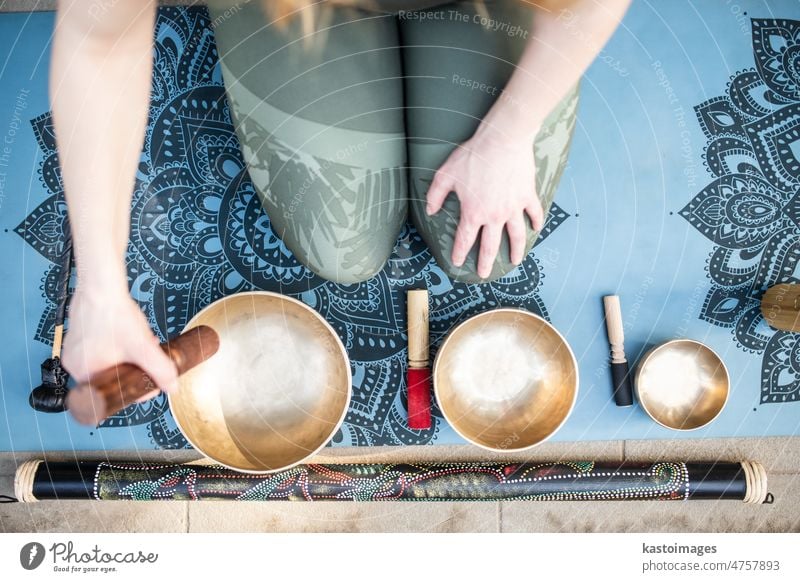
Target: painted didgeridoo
<point>454,481</point>
<point>113,389</point>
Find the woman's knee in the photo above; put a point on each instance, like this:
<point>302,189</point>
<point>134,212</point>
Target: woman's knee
<point>349,250</point>
<point>468,272</point>
<point>346,266</point>
<point>348,245</point>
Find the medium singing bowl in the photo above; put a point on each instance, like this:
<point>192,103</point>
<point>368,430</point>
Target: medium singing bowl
<point>505,380</point>
<point>682,384</point>
<point>276,391</point>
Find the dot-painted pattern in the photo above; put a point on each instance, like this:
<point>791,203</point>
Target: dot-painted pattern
<point>558,481</point>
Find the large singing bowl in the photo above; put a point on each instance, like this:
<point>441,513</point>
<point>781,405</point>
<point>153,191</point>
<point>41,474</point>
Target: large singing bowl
<point>276,391</point>
<point>505,380</point>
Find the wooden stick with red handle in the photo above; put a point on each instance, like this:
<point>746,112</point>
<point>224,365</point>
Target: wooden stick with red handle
<point>113,389</point>
<point>419,372</point>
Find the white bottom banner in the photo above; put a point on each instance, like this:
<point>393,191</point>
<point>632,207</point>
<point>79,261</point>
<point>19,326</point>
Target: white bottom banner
<point>389,557</point>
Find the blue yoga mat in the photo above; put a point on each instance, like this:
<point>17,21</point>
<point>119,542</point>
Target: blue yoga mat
<point>681,196</point>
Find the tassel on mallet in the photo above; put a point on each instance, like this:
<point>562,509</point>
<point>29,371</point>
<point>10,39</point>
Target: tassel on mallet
<point>51,395</point>
<point>623,391</point>
<point>419,372</point>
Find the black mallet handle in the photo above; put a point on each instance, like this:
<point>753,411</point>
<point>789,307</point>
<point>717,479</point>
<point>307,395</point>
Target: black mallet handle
<point>623,391</point>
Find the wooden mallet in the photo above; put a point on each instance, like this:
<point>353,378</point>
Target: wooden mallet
<point>620,374</point>
<point>419,371</point>
<point>111,390</point>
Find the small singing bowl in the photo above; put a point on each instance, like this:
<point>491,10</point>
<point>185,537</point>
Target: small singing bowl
<point>276,391</point>
<point>682,384</point>
<point>505,380</point>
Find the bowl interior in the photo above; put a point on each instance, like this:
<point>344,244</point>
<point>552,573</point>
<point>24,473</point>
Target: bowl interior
<point>275,392</point>
<point>682,384</point>
<point>505,379</point>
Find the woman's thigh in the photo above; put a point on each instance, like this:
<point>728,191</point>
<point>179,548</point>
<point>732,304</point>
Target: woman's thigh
<point>458,59</point>
<point>321,124</point>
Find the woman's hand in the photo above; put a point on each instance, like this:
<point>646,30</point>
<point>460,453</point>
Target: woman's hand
<point>108,328</point>
<point>100,77</point>
<point>493,173</point>
<point>495,181</point>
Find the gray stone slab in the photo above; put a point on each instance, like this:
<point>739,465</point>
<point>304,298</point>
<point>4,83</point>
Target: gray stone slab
<point>94,516</point>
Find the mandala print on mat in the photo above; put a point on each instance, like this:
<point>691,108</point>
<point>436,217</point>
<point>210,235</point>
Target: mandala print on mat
<point>751,209</point>
<point>199,233</point>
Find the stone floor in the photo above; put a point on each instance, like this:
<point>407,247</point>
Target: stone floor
<point>780,456</point>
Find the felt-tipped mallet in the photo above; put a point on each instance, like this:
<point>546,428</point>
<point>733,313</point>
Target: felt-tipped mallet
<point>623,391</point>
<point>51,395</point>
<point>419,371</point>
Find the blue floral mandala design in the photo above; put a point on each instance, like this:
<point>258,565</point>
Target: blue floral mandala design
<point>199,233</point>
<point>751,209</point>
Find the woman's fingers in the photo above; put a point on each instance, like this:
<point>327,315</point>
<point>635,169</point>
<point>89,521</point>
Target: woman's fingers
<point>441,186</point>
<point>536,213</point>
<point>148,396</point>
<point>490,244</point>
<point>516,238</point>
<point>73,359</point>
<point>155,363</point>
<point>466,233</point>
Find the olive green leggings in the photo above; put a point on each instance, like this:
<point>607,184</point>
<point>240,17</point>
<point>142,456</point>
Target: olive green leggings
<point>345,128</point>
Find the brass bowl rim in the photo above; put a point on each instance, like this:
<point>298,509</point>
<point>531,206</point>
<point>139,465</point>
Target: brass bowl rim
<point>342,349</point>
<point>525,313</point>
<point>651,352</point>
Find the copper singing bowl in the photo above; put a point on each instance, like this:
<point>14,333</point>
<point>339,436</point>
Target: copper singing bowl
<point>505,380</point>
<point>276,391</point>
<point>682,384</point>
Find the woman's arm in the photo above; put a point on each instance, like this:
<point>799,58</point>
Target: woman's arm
<point>100,80</point>
<point>563,45</point>
<point>497,158</point>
